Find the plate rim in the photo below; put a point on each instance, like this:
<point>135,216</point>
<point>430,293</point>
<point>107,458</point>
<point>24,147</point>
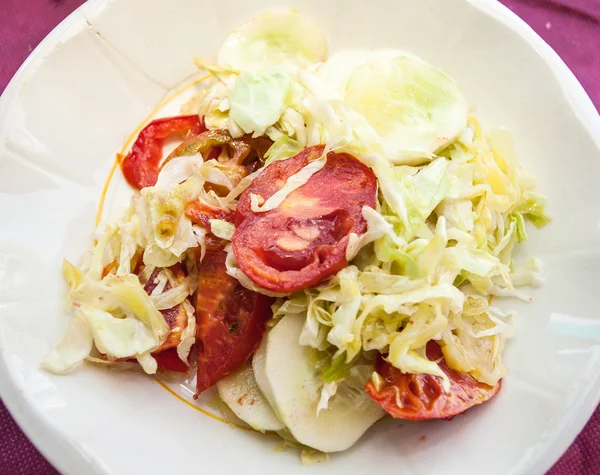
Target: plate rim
<point>68,457</point>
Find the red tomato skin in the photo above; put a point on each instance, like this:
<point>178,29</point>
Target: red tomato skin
<point>169,360</point>
<point>230,321</point>
<point>201,214</point>
<point>141,165</point>
<point>303,241</point>
<point>421,396</point>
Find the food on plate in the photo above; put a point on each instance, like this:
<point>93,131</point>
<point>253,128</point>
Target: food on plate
<point>230,318</point>
<point>308,225</point>
<point>241,393</point>
<point>422,395</point>
<point>140,166</point>
<point>291,383</point>
<point>322,246</point>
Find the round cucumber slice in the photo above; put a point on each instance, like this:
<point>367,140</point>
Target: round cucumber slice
<point>336,71</point>
<point>287,377</point>
<point>241,393</point>
<point>415,108</point>
<point>281,37</point>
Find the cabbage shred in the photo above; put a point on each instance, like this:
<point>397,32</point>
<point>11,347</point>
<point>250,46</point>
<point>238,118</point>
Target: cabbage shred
<point>434,265</point>
<point>439,244</point>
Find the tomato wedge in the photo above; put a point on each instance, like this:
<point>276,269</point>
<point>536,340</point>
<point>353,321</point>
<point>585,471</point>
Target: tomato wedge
<point>169,360</point>
<point>303,241</point>
<point>166,356</point>
<point>141,165</point>
<point>421,396</point>
<point>230,321</point>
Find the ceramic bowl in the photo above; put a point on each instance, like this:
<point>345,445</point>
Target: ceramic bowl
<point>112,65</point>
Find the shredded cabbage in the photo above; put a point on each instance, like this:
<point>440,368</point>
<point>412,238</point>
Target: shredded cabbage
<point>222,229</point>
<point>72,350</point>
<point>188,335</point>
<point>440,241</point>
<point>117,316</point>
<point>452,207</point>
<point>112,311</point>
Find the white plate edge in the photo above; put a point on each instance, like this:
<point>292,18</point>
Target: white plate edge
<point>68,457</point>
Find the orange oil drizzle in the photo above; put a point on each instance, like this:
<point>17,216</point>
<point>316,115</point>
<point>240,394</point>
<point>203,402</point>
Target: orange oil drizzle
<point>199,409</point>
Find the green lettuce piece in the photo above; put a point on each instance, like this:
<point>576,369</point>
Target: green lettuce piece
<point>520,231</point>
<point>131,296</point>
<point>284,147</point>
<point>72,350</point>
<point>336,369</point>
<point>406,264</point>
<point>283,36</point>
<point>258,100</point>
<point>534,210</point>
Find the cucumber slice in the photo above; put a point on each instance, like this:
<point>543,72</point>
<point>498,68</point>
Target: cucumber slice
<point>258,365</point>
<point>282,37</point>
<point>415,108</point>
<point>241,393</point>
<point>338,68</point>
<point>287,377</point>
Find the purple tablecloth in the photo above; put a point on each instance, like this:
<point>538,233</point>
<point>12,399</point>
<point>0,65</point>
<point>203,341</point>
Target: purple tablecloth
<point>571,27</point>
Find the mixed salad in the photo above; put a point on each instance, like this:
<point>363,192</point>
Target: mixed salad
<point>323,246</point>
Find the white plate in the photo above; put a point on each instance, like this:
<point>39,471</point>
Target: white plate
<point>99,74</point>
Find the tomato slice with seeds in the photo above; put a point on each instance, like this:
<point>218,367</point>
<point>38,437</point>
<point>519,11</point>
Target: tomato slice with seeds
<point>303,241</point>
<point>141,165</point>
<point>230,321</point>
<point>422,396</point>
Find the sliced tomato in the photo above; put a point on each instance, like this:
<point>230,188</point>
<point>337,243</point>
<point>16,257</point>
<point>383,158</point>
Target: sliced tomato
<point>200,213</point>
<point>230,321</point>
<point>422,396</point>
<point>166,355</point>
<point>303,241</point>
<point>169,360</point>
<point>141,165</point>
<point>177,320</point>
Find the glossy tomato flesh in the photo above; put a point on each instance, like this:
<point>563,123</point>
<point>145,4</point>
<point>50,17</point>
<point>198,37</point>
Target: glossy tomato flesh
<point>141,165</point>
<point>422,396</point>
<point>169,360</point>
<point>230,321</point>
<point>303,241</point>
